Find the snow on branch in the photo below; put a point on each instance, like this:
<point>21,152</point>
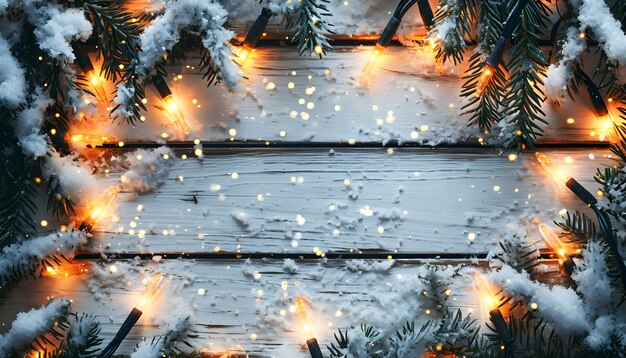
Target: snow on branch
<point>82,338</point>
<point>25,254</point>
<point>596,15</point>
<point>12,80</point>
<point>558,305</point>
<point>61,27</point>
<point>177,331</point>
<point>74,176</point>
<point>558,75</point>
<point>307,19</point>
<point>28,126</point>
<point>30,325</point>
<point>199,17</point>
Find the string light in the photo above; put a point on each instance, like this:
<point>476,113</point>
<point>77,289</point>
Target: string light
<point>599,105</point>
<point>151,291</point>
<point>96,82</point>
<point>170,104</point>
<point>586,197</point>
<point>66,270</point>
<point>90,140</point>
<point>306,326</point>
<point>495,56</point>
<point>489,301</point>
<point>392,27</point>
<point>256,31</point>
<point>555,244</point>
<point>98,208</point>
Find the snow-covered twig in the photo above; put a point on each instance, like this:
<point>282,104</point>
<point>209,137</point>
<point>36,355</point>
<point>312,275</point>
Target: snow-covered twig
<point>596,15</point>
<point>30,325</point>
<point>307,19</point>
<point>12,81</point>
<point>82,338</point>
<point>559,75</point>
<point>203,18</point>
<point>165,345</point>
<point>60,28</point>
<point>23,258</point>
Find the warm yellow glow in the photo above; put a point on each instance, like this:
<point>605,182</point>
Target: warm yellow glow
<point>370,66</point>
<point>554,243</point>
<point>66,269</point>
<point>98,86</point>
<point>556,172</point>
<point>484,79</point>
<point>89,139</point>
<point>151,291</point>
<point>605,132</point>
<point>306,325</point>
<point>486,296</point>
<point>102,205</point>
<point>173,109</point>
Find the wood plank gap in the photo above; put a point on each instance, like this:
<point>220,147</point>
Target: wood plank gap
<point>332,255</point>
<point>328,145</point>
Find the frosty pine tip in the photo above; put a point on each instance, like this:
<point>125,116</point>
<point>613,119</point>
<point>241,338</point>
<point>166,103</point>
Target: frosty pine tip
<point>495,56</point>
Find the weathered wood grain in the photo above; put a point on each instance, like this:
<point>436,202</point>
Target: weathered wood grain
<point>422,96</point>
<point>233,312</point>
<point>421,201</point>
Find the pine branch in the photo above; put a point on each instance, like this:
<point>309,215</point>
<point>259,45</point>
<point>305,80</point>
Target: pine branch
<point>485,110</point>
<point>436,287</point>
<point>59,205</point>
<point>340,348</point>
<point>527,68</point>
<point>310,27</point>
<point>82,340</point>
<point>578,228</point>
<point>518,254</point>
<point>455,17</point>
<point>17,199</point>
<point>118,34</point>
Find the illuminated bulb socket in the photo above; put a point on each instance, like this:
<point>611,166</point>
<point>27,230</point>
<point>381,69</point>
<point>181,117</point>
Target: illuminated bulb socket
<point>390,30</point>
<point>428,18</point>
<point>82,59</point>
<point>569,266</point>
<point>257,29</point>
<point>161,86</point>
<point>496,54</point>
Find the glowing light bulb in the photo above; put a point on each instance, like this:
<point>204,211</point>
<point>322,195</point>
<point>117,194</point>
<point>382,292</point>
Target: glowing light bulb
<point>487,298</point>
<point>484,79</point>
<point>92,140</point>
<point>370,66</point>
<point>556,172</point>
<point>606,127</point>
<point>306,325</point>
<point>101,205</point>
<point>67,269</point>
<point>151,291</point>
<point>97,85</point>
<point>173,109</point>
<point>554,243</point>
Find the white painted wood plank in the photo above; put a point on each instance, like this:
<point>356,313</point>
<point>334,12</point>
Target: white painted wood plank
<point>233,312</point>
<point>407,82</point>
<point>425,200</point>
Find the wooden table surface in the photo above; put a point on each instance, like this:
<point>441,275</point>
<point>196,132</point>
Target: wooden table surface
<point>410,202</point>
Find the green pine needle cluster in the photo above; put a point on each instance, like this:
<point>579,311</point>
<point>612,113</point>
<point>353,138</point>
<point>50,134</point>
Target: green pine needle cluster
<point>310,27</point>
